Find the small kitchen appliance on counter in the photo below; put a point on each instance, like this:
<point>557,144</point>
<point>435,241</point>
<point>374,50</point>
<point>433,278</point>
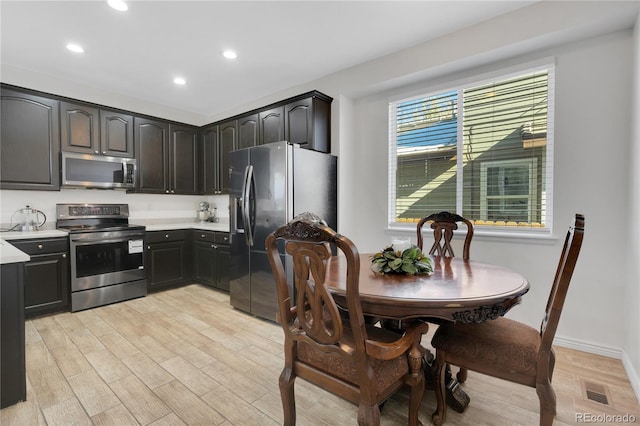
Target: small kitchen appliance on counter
<point>107,254</point>
<point>204,214</point>
<point>29,219</point>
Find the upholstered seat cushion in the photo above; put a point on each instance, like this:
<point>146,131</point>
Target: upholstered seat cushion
<point>386,372</point>
<point>501,347</point>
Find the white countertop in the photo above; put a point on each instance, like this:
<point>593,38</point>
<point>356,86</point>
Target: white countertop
<point>41,233</point>
<point>181,223</point>
<point>10,254</point>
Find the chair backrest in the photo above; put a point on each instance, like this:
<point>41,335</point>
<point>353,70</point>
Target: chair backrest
<point>315,318</point>
<point>443,225</point>
<point>558,293</point>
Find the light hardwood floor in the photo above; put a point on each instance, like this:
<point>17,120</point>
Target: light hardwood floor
<point>185,356</point>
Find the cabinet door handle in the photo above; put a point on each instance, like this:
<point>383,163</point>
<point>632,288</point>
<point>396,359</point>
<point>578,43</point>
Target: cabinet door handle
<point>96,152</point>
<point>148,247</point>
<point>64,255</point>
<point>104,152</point>
<point>166,235</point>
<point>40,246</point>
<point>167,191</point>
<point>202,236</point>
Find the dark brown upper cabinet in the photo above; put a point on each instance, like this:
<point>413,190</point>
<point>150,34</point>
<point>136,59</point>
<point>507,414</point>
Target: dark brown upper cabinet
<point>209,160</point>
<point>29,141</point>
<point>183,160</point>
<point>167,157</point>
<point>152,147</point>
<point>214,158</point>
<point>248,131</point>
<point>272,125</point>
<point>228,135</point>
<point>308,122</point>
<point>116,134</point>
<point>89,130</point>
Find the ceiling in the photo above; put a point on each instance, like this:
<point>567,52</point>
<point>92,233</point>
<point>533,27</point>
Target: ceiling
<point>280,44</point>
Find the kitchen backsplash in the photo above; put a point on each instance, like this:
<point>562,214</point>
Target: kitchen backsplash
<point>141,206</point>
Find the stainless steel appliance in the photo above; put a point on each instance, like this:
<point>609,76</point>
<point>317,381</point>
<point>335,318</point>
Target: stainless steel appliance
<point>203,213</point>
<point>107,254</point>
<point>270,184</point>
<point>97,171</point>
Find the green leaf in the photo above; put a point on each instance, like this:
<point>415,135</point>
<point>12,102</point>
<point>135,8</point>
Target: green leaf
<point>409,268</point>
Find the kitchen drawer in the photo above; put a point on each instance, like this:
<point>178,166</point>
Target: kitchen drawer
<point>34,247</point>
<point>207,236</point>
<point>162,236</point>
<point>221,238</point>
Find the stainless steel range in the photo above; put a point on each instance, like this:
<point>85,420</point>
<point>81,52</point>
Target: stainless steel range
<point>107,254</point>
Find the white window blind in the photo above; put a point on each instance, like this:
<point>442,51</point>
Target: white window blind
<point>482,150</point>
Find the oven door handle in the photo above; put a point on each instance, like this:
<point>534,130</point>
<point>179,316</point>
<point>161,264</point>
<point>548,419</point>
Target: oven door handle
<point>81,241</point>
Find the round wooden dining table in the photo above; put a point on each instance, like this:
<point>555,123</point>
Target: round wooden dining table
<point>457,290</point>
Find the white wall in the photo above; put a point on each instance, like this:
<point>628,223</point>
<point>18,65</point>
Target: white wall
<point>592,136</point>
<point>141,206</point>
<point>632,346</point>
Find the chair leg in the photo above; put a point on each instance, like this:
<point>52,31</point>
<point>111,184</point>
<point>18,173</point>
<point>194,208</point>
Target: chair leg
<point>547,397</point>
<point>416,382</point>
<point>438,417</point>
<point>287,380</point>
<point>368,415</point>
<point>462,375</point>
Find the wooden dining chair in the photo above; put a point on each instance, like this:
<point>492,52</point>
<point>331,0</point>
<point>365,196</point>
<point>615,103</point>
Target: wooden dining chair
<point>443,225</point>
<point>330,345</point>
<point>508,349</point>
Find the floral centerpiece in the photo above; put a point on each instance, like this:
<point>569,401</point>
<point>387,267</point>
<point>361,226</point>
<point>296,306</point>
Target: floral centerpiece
<point>409,261</point>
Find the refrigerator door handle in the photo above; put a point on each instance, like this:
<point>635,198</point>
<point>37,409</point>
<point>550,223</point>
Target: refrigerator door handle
<point>246,216</point>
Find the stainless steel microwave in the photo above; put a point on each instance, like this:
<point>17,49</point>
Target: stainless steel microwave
<point>97,171</point>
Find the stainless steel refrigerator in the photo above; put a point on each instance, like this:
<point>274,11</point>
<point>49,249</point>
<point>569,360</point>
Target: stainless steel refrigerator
<point>270,185</point>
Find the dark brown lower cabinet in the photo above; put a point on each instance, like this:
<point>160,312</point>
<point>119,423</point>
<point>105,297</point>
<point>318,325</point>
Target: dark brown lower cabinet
<point>46,278</point>
<point>13,382</point>
<point>211,258</point>
<point>167,259</point>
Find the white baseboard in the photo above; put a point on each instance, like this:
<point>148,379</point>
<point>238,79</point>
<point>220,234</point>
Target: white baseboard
<point>632,374</point>
<point>588,347</point>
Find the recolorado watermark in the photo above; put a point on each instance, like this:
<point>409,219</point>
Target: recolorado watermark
<point>605,418</point>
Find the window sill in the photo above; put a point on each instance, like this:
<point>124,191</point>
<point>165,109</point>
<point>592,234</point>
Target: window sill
<point>492,233</point>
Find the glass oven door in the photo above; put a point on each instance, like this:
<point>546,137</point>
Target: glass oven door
<point>100,259</point>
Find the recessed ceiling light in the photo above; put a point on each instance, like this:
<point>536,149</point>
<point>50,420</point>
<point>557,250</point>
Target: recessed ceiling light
<point>75,48</point>
<point>229,54</point>
<point>118,5</point>
<point>180,81</point>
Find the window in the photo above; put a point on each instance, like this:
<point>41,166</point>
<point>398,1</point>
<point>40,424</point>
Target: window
<point>483,150</point>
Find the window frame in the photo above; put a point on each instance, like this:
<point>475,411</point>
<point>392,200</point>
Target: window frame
<point>459,85</point>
